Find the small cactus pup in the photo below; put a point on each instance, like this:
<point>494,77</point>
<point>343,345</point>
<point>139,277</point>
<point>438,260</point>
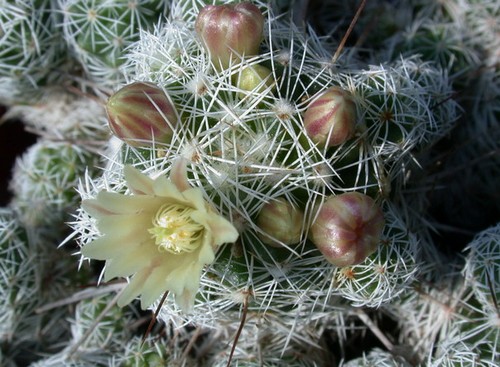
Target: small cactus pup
<point>230,31</point>
<point>330,119</point>
<point>281,222</point>
<point>141,114</point>
<point>347,228</point>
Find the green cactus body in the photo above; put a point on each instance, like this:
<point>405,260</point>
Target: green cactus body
<point>44,181</point>
<point>17,269</point>
<point>34,275</point>
<point>244,145</point>
<point>445,44</point>
<point>100,31</point>
<point>246,150</point>
<point>30,49</point>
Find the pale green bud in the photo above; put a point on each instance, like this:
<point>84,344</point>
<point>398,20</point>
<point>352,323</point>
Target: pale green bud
<point>282,223</point>
<point>255,78</point>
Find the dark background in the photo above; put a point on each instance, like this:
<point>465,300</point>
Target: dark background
<point>14,140</point>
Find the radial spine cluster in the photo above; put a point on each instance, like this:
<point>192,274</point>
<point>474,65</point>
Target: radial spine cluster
<point>276,183</point>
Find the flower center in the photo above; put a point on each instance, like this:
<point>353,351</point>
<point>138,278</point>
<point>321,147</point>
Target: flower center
<point>174,230</point>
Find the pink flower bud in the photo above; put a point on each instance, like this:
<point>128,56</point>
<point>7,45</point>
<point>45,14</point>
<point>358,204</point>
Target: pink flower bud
<point>281,221</point>
<point>347,228</point>
<point>141,113</point>
<point>229,31</point>
<point>331,118</point>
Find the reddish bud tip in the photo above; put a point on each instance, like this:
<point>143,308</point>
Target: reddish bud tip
<point>230,31</point>
<point>330,119</point>
<point>347,228</point>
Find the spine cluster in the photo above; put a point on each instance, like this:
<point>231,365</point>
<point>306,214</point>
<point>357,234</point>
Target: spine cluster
<point>289,183</point>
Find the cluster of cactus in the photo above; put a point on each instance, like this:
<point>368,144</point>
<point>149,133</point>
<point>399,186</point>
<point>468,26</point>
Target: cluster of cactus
<point>59,44</point>
<point>280,187</point>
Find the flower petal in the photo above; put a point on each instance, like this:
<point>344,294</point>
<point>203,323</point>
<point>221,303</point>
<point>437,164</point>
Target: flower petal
<point>178,174</point>
<point>186,277</point>
<point>96,209</point>
<point>164,188</point>
<point>195,199</point>
<point>185,300</point>
<point>133,289</point>
<point>154,286</point>
<point>112,203</point>
<point>129,262</point>
<point>129,229</point>
<point>133,226</point>
<point>206,253</point>
<point>222,230</point>
<point>138,183</point>
<point>103,248</point>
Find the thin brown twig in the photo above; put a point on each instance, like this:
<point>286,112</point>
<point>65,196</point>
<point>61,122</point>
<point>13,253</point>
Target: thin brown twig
<point>240,329</point>
<point>154,318</point>
<point>348,32</point>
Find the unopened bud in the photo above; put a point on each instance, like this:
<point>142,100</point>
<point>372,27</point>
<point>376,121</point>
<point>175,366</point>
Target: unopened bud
<point>331,118</point>
<point>281,221</point>
<point>256,78</point>
<point>230,31</point>
<point>347,228</point>
<point>140,114</point>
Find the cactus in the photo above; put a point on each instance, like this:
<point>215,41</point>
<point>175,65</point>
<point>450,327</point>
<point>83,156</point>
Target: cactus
<point>31,54</point>
<point>98,32</point>
<point>34,275</point>
<point>44,182</point>
<point>245,148</point>
<point>18,276</point>
<point>381,358</point>
<point>259,137</point>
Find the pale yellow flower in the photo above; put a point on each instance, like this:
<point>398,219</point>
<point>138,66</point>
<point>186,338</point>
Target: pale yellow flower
<point>162,236</point>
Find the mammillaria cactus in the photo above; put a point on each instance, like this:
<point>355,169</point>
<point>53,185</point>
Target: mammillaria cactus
<point>64,116</point>
<point>243,145</point>
<point>28,261</point>
<point>31,53</point>
<point>246,151</point>
<point>44,182</point>
<point>98,32</point>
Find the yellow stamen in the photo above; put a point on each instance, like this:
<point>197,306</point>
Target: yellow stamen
<point>174,231</point>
